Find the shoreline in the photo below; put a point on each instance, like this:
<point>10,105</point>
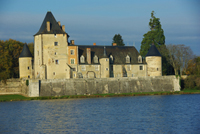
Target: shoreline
<point>19,97</point>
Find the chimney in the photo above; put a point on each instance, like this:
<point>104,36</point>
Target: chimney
<point>63,28</point>
<point>72,42</point>
<point>114,44</point>
<point>94,44</point>
<point>89,55</point>
<point>59,23</point>
<point>48,26</point>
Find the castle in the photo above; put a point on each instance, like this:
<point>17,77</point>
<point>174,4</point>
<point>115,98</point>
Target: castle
<point>56,58</point>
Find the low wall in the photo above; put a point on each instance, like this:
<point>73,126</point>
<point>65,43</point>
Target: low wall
<point>60,87</point>
<point>14,86</point>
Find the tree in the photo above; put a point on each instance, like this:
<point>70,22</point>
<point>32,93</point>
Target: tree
<point>154,36</point>
<point>167,68</point>
<point>9,62</point>
<point>31,48</point>
<point>193,67</point>
<point>179,57</point>
<point>118,39</point>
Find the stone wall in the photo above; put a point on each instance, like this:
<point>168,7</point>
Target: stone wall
<point>14,86</point>
<point>61,87</point>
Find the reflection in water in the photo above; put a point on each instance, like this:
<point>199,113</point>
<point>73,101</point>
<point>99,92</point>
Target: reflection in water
<point>144,114</point>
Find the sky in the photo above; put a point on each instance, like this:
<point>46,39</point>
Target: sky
<point>97,21</point>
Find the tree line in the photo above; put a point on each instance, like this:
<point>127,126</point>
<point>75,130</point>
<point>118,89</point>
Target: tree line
<point>9,58</point>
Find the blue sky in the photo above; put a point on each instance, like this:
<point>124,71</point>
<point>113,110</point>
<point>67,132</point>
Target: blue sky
<point>89,21</point>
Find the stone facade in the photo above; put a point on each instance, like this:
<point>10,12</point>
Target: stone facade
<point>55,58</point>
<point>154,67</point>
<point>62,87</point>
<point>25,67</point>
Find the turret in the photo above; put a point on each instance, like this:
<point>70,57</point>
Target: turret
<point>154,62</point>
<point>25,63</point>
<point>105,65</point>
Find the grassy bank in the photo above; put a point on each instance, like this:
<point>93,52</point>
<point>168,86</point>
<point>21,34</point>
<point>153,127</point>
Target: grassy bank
<point>4,98</point>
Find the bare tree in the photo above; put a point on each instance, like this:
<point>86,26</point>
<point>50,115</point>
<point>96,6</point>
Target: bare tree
<point>179,56</point>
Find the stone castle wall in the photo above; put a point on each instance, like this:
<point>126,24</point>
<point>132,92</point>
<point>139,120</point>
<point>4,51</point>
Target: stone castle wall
<point>60,87</point>
<point>14,86</point>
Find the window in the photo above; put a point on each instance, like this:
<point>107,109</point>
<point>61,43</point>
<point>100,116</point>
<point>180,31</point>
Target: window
<point>132,75</point>
<point>82,59</point>
<point>96,68</point>
<point>55,43</point>
<point>54,73</point>
<point>95,59</point>
<point>139,59</point>
<point>38,53</point>
<point>72,52</point>
<point>28,76</point>
<point>106,59</point>
<point>141,67</point>
<point>157,69</point>
<point>28,68</point>
<point>72,61</point>
<point>55,53</point>
<point>83,68</point>
<point>57,61</point>
<point>106,69</point>
<point>127,59</point>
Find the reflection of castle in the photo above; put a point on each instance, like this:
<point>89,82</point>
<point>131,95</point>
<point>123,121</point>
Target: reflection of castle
<point>55,58</point>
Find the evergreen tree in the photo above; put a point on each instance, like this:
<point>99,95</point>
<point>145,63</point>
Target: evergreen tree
<point>118,39</point>
<point>154,36</point>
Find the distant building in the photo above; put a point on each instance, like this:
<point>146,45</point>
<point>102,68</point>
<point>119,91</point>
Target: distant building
<point>55,58</point>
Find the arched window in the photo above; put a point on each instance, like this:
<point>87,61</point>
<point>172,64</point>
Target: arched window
<point>82,59</point>
<point>95,59</point>
<point>127,59</point>
<point>139,59</point>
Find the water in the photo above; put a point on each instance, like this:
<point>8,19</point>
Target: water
<point>143,114</point>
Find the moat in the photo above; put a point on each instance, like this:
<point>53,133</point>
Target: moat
<point>142,114</point>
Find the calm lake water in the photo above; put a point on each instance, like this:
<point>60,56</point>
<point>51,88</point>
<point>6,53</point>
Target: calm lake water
<point>143,114</point>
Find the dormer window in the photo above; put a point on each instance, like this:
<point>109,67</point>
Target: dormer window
<point>82,59</point>
<point>139,59</point>
<point>111,59</point>
<point>127,59</point>
<point>95,59</point>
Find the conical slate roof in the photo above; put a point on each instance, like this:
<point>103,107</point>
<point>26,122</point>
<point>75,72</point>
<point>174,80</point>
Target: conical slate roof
<point>25,52</point>
<point>54,26</point>
<point>153,51</point>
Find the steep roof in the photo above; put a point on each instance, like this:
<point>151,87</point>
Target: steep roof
<point>54,26</point>
<point>153,51</point>
<point>25,52</point>
<point>119,53</point>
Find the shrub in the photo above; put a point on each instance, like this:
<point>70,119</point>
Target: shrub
<point>192,82</point>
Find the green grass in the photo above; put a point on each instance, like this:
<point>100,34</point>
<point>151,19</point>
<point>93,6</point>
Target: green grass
<point>4,98</point>
<point>12,98</point>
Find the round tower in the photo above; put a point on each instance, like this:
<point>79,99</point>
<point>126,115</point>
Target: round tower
<point>25,63</point>
<point>105,65</point>
<point>154,62</point>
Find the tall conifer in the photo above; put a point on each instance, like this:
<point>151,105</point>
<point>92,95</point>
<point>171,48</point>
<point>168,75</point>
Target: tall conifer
<point>154,36</point>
